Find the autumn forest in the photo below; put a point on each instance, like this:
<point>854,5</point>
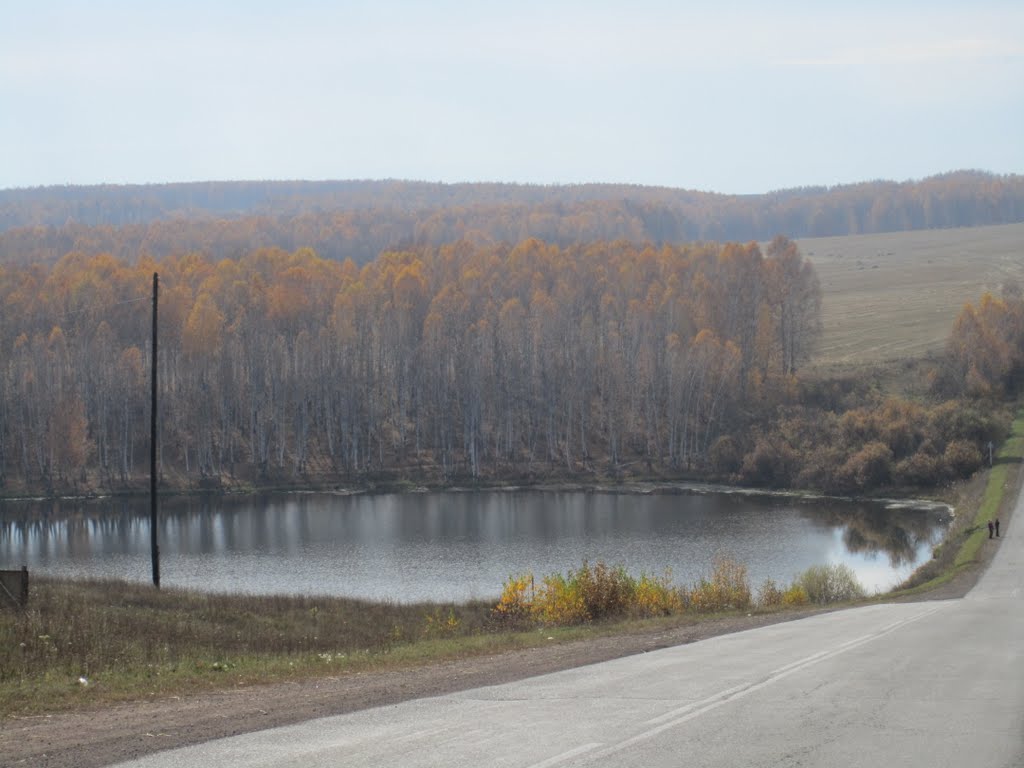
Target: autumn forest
<point>479,358</point>
<point>358,220</point>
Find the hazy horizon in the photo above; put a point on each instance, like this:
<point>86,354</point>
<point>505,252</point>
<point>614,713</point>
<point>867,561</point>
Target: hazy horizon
<point>486,182</point>
<point>735,98</point>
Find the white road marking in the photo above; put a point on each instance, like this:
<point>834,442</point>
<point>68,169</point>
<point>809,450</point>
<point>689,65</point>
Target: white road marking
<point>552,761</point>
<point>426,734</point>
<point>698,708</point>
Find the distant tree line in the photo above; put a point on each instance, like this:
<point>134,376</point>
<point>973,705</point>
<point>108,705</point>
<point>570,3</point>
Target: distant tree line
<point>360,219</point>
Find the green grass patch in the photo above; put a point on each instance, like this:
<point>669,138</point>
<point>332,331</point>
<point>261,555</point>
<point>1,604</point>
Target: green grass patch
<point>1003,479</point>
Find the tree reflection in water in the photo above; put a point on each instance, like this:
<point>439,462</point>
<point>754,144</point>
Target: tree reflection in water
<point>459,545</point>
<point>872,530</point>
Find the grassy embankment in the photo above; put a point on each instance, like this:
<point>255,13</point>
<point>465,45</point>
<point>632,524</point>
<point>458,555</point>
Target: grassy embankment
<point>963,543</point>
<point>80,644</point>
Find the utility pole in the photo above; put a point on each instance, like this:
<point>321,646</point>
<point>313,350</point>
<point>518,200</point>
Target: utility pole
<point>154,547</point>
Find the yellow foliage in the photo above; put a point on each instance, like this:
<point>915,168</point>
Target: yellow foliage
<point>588,594</point>
<point>656,597</point>
<point>771,595</point>
<point>516,602</point>
<point>436,625</point>
<point>204,328</point>
<point>559,603</point>
<point>795,595</point>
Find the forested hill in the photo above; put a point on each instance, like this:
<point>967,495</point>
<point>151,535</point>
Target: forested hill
<point>360,219</point>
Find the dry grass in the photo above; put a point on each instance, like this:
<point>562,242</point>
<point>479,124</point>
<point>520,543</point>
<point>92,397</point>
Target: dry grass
<point>895,296</point>
<point>126,638</point>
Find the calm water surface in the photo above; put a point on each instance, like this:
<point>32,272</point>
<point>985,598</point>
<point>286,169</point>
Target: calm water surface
<point>457,546</point>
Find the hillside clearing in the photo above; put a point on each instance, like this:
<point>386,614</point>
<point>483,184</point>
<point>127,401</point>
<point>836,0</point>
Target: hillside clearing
<point>893,296</point>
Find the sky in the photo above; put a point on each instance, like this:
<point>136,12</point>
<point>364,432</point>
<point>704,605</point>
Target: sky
<point>732,97</point>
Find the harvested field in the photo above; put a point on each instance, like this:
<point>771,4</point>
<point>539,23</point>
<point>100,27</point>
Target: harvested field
<point>895,296</point>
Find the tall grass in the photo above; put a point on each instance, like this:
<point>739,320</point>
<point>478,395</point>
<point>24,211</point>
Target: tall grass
<point>122,634</point>
<point>727,587</point>
<point>602,592</point>
<point>96,625</point>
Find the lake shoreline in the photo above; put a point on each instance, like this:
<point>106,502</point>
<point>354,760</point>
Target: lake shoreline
<point>940,502</point>
<point>464,543</point>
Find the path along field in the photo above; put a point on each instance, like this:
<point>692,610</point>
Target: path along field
<point>895,296</point>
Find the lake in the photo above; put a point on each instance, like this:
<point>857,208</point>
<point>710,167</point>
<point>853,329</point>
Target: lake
<point>454,546</point>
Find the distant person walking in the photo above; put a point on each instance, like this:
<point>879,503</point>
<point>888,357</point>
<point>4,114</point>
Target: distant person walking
<point>990,528</point>
<point>997,527</point>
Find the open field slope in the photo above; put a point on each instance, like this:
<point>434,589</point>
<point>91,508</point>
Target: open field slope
<point>893,296</point>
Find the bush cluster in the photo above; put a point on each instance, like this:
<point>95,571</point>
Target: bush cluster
<point>771,595</point>
<point>589,594</point>
<point>834,583</point>
<point>892,443</point>
<point>600,592</point>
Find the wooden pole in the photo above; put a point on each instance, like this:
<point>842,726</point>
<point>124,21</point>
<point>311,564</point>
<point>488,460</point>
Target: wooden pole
<point>154,547</point>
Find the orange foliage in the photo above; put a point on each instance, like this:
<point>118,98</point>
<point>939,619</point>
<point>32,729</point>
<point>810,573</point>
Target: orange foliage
<point>462,356</point>
<point>985,353</point>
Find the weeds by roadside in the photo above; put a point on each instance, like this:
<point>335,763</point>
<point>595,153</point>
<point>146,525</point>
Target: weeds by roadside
<point>120,636</point>
<point>599,592</point>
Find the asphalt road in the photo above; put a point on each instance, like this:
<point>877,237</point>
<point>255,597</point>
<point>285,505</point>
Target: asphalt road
<point>913,684</point>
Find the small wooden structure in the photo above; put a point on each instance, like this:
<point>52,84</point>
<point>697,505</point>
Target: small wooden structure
<point>14,586</point>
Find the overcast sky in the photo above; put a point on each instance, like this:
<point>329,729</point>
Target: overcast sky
<point>716,96</point>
